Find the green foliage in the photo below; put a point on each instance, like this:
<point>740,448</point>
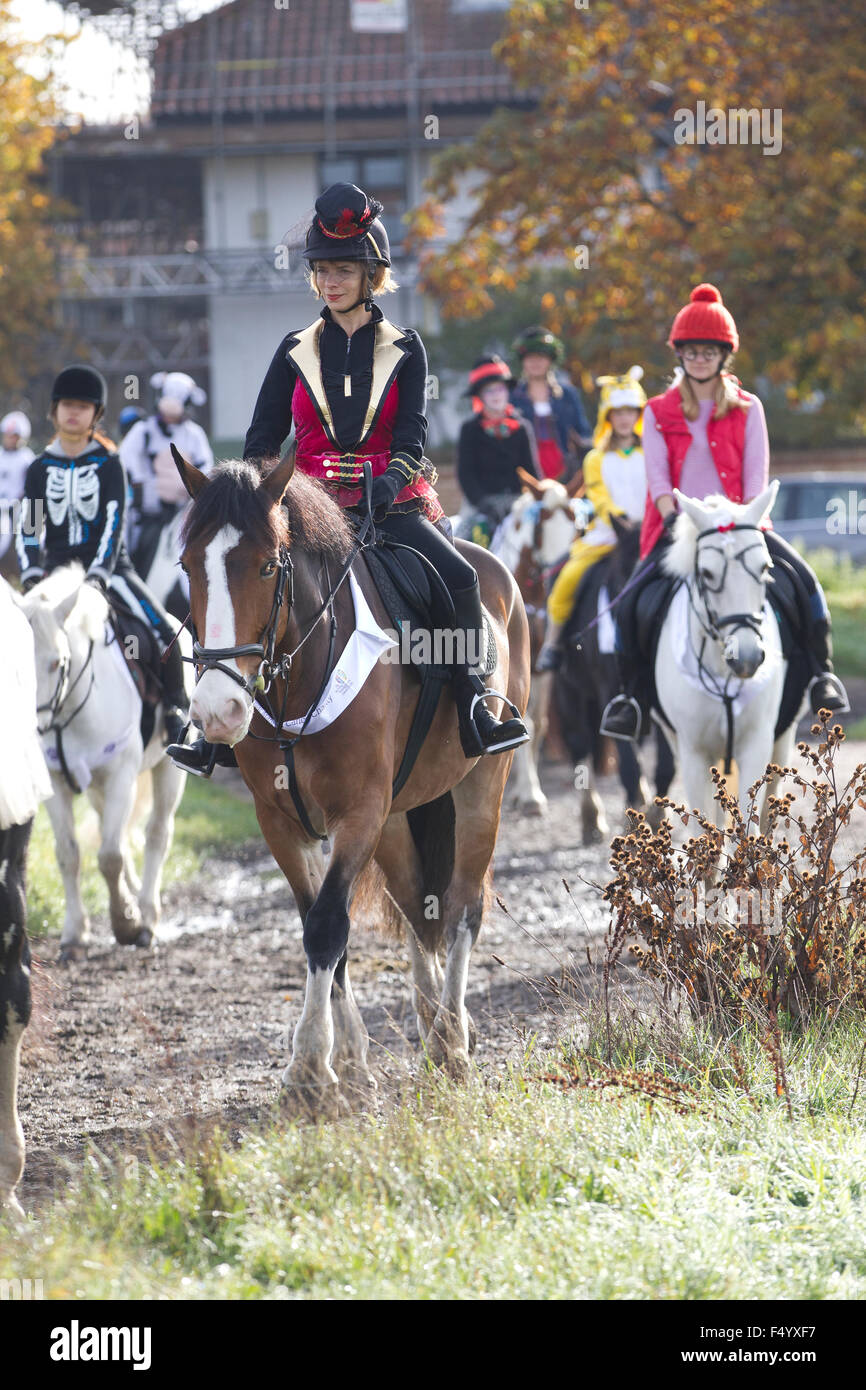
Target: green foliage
<point>536,1186</point>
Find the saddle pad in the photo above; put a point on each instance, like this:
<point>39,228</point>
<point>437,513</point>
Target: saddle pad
<point>606,625</point>
<point>423,613</point>
<point>687,661</point>
<point>362,651</point>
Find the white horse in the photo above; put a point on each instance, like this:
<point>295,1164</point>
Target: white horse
<point>89,719</point>
<point>719,668</point>
<point>24,782</point>
<point>535,535</point>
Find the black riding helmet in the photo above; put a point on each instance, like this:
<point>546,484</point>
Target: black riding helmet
<point>80,383</point>
<point>346,227</point>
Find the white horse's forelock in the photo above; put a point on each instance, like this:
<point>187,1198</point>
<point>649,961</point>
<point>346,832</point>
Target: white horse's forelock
<point>679,558</point>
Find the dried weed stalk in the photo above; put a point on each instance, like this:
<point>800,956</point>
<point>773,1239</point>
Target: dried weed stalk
<point>748,925</point>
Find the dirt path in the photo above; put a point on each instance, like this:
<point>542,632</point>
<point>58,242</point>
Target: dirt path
<point>124,1044</point>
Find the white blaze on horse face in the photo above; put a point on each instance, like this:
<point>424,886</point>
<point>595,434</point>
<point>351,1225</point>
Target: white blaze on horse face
<point>220,707</point>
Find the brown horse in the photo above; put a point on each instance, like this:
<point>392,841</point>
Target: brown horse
<point>262,560</point>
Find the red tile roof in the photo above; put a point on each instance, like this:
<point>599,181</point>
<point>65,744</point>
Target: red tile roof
<point>251,56</point>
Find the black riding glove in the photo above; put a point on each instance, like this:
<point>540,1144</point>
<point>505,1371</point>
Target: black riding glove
<point>670,521</point>
<point>97,581</point>
<point>385,489</point>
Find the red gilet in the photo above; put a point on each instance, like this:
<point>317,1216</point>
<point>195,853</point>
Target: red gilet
<point>726,439</point>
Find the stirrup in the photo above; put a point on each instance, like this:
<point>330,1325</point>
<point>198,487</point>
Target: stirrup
<point>625,703</point>
<point>844,707</point>
<point>519,736</point>
<point>192,758</point>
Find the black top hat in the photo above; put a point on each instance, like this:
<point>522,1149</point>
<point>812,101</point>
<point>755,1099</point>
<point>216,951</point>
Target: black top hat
<point>80,383</point>
<point>346,227</point>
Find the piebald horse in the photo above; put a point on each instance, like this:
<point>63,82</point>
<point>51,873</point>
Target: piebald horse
<point>266,562</point>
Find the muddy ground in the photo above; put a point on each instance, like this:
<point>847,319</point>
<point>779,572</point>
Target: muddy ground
<point>126,1044</point>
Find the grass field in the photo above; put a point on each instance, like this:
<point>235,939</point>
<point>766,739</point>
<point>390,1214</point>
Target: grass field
<point>517,1187</point>
<point>209,820</point>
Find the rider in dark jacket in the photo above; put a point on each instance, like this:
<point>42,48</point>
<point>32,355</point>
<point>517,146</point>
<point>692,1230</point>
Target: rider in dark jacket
<point>79,486</point>
<point>353,386</point>
<point>492,447</point>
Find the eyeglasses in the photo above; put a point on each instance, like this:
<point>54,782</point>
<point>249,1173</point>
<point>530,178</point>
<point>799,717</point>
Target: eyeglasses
<point>323,273</point>
<point>702,354</point>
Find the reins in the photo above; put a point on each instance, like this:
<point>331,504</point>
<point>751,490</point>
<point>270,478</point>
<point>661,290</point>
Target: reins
<point>61,694</point>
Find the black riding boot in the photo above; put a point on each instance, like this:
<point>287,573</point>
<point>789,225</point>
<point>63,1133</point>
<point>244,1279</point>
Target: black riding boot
<point>199,758</point>
<point>480,731</point>
<point>826,691</point>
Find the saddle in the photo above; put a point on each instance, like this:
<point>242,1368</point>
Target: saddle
<point>141,651</point>
<point>418,603</point>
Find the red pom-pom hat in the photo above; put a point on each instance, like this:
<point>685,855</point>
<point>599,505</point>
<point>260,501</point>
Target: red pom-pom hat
<point>704,319</point>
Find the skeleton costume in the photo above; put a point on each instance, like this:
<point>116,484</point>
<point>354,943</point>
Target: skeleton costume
<point>359,398</point>
<point>81,502</point>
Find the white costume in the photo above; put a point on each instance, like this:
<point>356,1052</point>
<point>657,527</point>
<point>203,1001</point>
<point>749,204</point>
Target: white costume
<point>13,471</point>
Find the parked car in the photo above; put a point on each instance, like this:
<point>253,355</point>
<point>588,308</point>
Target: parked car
<point>823,510</point>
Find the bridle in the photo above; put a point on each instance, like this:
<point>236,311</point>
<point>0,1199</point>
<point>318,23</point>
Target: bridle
<point>713,628</point>
<point>258,685</point>
<point>714,625</point>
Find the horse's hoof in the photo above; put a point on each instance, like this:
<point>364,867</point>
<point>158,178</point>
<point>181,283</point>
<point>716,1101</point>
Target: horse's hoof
<point>445,1050</point>
<point>655,817</point>
<point>319,1102</point>
<point>145,940</point>
<point>127,930</point>
<point>12,1210</point>
<point>359,1087</point>
<point>473,1035</point>
<point>533,808</point>
<point>72,951</point>
<point>592,835</point>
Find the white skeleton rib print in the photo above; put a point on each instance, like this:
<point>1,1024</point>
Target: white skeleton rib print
<point>72,493</point>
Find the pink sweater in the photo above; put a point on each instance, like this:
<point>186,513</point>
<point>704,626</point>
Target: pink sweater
<point>699,477</point>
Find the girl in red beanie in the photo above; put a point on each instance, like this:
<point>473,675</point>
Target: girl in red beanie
<point>706,435</point>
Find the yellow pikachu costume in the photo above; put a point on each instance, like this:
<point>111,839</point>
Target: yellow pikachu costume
<point>615,480</point>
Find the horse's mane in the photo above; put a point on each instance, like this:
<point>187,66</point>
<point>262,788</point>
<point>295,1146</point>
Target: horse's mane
<point>309,517</point>
<point>679,560</point>
<point>91,608</point>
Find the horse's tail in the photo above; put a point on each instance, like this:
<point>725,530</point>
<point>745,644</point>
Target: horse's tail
<point>432,827</point>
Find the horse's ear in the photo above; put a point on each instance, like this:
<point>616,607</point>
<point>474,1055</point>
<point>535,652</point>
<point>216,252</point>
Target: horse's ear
<point>192,478</point>
<point>531,483</point>
<point>64,606</point>
<point>762,505</point>
<point>276,482</point>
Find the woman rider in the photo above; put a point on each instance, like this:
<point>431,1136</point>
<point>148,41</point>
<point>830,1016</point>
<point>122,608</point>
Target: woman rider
<point>353,385</point>
<point>706,435</point>
<point>493,446</point>
<point>554,408</point>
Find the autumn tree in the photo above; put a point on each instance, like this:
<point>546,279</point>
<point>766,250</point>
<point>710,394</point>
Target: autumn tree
<point>28,118</point>
<point>600,186</point>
